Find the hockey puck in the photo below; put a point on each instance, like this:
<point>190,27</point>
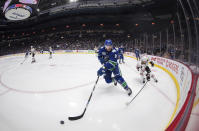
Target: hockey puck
<point>61,122</point>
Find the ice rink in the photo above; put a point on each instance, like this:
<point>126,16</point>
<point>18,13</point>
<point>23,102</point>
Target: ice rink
<point>36,97</point>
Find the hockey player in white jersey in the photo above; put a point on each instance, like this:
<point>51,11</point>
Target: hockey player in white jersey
<point>145,71</point>
<point>33,51</point>
<point>51,52</point>
<point>96,49</point>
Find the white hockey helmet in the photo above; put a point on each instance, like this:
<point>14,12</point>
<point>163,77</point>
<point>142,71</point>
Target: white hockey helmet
<point>144,59</point>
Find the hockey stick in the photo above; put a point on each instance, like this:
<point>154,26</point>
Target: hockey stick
<point>80,116</point>
<point>128,103</point>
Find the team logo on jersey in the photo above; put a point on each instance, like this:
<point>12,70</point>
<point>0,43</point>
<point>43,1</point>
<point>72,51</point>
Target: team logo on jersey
<point>114,51</point>
<point>103,53</point>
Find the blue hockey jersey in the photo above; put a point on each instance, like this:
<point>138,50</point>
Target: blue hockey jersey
<point>121,50</point>
<point>108,58</point>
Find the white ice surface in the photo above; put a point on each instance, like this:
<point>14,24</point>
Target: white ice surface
<point>35,97</point>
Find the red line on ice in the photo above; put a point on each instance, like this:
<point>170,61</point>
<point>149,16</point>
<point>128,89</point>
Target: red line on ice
<point>42,92</point>
<point>161,92</point>
<point>4,92</point>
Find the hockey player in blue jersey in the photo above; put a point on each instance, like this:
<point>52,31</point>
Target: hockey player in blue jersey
<point>121,56</point>
<point>108,57</point>
<point>137,54</point>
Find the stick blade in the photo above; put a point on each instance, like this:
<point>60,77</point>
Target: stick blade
<point>75,118</point>
<point>127,103</point>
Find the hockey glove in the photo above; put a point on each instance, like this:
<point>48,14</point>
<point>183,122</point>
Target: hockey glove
<point>152,63</point>
<point>100,72</point>
<point>148,70</point>
<point>103,60</point>
<point>138,68</point>
<point>148,77</point>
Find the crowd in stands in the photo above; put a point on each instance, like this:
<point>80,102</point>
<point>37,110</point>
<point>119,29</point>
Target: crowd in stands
<point>61,41</point>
